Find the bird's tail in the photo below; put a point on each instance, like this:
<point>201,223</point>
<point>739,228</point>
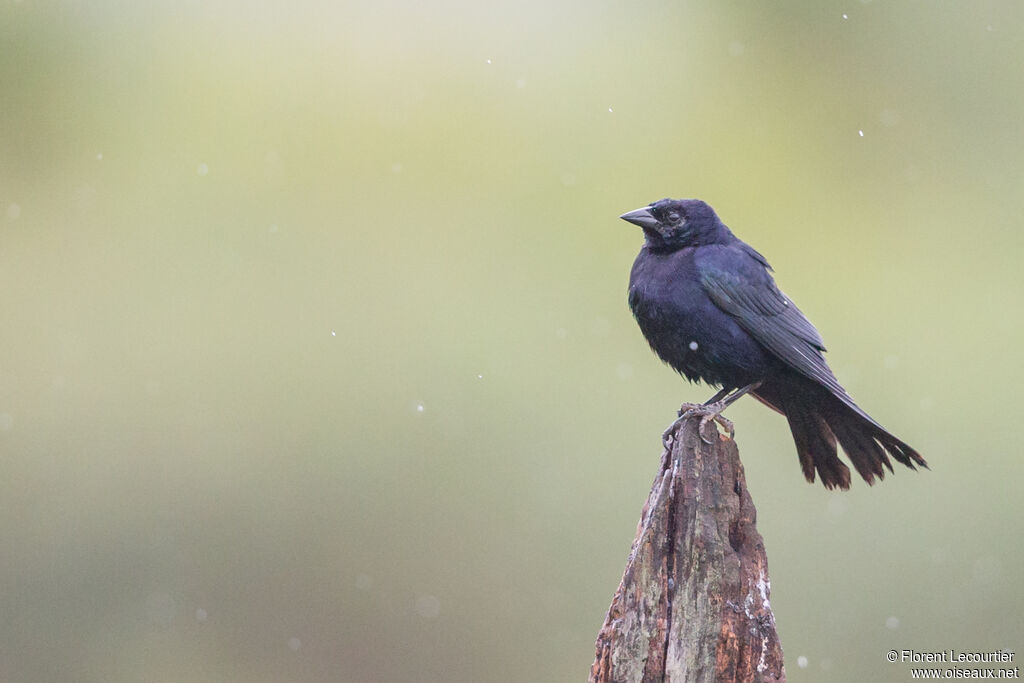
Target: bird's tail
<point>815,443</point>
<point>819,419</point>
<point>867,443</point>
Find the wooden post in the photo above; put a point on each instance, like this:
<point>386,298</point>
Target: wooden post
<point>693,602</point>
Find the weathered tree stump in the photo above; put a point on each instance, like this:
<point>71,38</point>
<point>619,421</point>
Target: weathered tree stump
<point>693,602</point>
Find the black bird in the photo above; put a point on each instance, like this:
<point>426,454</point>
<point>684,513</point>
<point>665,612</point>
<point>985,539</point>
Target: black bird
<point>707,304</point>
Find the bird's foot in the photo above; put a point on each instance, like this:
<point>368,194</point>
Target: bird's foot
<point>708,412</point>
<point>683,412</point>
<point>712,412</point>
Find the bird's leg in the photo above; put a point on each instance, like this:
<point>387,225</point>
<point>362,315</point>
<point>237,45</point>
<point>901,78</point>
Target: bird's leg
<point>712,410</point>
<point>688,409</point>
<point>708,411</point>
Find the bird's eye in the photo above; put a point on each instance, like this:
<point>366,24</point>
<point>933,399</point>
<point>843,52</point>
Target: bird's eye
<point>673,217</point>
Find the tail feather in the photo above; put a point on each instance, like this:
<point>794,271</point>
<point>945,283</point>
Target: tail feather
<point>900,450</point>
<point>868,444</point>
<point>818,419</point>
<point>860,446</point>
<point>816,446</point>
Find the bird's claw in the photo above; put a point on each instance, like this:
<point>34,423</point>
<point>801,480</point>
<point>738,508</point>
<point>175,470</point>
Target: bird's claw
<point>683,413</point>
<point>720,419</point>
<point>711,412</point>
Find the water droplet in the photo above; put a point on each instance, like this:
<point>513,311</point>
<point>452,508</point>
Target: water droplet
<point>694,346</point>
<point>479,376</point>
<point>892,623</point>
<point>201,614</point>
<point>294,644</point>
<point>488,61</point>
<point>845,17</point>
<point>860,133</point>
<point>420,407</point>
<point>801,662</point>
<point>428,606</point>
<point>99,157</point>
<point>609,110</point>
<point>837,505</point>
<point>333,333</point>
<point>202,169</point>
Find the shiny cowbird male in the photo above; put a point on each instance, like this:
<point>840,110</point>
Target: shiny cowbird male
<point>707,304</point>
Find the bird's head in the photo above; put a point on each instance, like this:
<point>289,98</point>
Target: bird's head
<point>671,224</point>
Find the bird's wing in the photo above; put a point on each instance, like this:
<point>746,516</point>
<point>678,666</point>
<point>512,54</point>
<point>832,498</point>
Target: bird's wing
<point>739,284</point>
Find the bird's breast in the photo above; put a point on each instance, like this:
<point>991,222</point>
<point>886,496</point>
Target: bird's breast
<point>683,325</point>
<point>668,301</point>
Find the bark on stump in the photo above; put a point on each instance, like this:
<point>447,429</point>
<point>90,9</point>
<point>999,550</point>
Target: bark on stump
<point>693,602</point>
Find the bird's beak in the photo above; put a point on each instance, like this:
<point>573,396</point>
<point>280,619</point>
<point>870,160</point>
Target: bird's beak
<point>641,217</point>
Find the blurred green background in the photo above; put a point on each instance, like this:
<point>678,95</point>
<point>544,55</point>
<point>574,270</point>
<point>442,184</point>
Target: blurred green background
<point>316,364</point>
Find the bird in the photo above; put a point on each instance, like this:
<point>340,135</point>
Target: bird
<point>709,307</point>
